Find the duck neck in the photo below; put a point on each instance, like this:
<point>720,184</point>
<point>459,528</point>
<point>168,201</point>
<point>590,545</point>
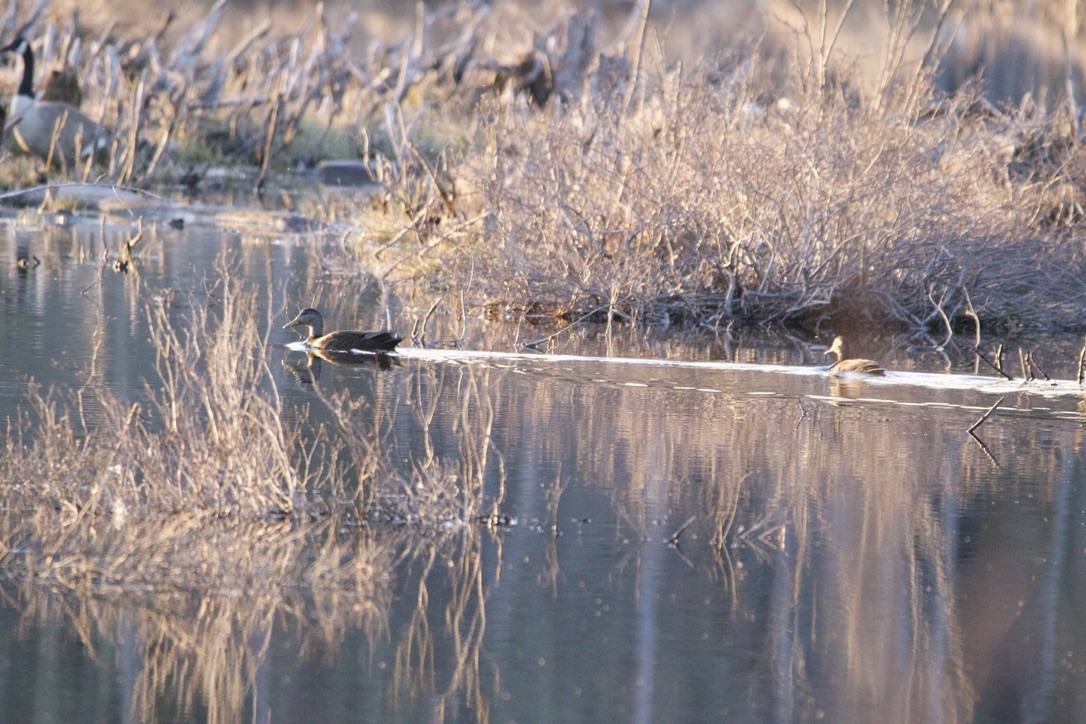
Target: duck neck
<point>316,330</point>
<point>26,86</point>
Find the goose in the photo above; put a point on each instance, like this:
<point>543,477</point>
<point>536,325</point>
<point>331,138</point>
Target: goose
<point>49,129</point>
<point>844,365</point>
<point>341,341</point>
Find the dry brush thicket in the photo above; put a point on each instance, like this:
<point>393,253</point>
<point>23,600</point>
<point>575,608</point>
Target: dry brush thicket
<point>573,169</point>
<point>208,480</point>
<point>717,199</point>
<point>703,208</point>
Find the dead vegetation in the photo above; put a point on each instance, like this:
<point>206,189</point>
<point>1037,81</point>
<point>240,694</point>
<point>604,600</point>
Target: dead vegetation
<point>703,209</point>
<point>213,517</point>
<point>209,481</point>
<point>569,165</point>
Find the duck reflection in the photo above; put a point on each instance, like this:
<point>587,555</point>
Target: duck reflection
<point>24,260</point>
<point>307,368</point>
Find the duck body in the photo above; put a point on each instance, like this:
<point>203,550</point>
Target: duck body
<point>51,130</point>
<point>845,365</point>
<point>342,342</point>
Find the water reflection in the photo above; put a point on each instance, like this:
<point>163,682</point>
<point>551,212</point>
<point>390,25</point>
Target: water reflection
<point>306,366</point>
<point>515,537</point>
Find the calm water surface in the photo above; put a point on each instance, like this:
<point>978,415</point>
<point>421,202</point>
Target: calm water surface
<point>698,543</point>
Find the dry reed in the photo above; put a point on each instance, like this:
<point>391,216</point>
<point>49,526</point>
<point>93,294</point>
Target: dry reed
<point>175,488</point>
<point>776,184</point>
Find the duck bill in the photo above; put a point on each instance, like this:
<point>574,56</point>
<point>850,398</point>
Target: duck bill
<point>291,324</point>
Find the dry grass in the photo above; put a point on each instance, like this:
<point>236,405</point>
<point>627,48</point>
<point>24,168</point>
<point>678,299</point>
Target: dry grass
<point>563,162</point>
<point>209,481</point>
<point>704,208</point>
<point>208,513</point>
<point>752,191</point>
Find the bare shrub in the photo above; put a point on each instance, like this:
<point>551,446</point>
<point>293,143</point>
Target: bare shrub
<point>183,96</point>
<point>706,207</point>
<point>210,481</point>
<point>209,518</point>
<point>771,184</point>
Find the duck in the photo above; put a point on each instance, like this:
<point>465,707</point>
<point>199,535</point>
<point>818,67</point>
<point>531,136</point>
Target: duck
<point>50,129</point>
<point>845,365</point>
<point>341,341</point>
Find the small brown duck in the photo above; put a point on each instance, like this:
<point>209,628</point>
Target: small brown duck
<point>341,341</point>
<point>858,366</point>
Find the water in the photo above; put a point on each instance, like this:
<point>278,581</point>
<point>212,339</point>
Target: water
<point>687,540</point>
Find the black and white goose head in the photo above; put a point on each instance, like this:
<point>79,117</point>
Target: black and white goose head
<point>25,93</point>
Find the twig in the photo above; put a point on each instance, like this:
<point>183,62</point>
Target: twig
<point>125,259</point>
<point>137,101</point>
<point>464,306</point>
<point>421,339</point>
<point>942,314</point>
<point>269,129</point>
<point>635,79</point>
<point>77,184</point>
<point>1034,366</point>
<point>175,122</point>
<point>996,367</point>
<point>972,314</point>
<point>520,323</point>
<point>984,417</point>
<point>986,450</point>
<point>1069,27</point>
<point>463,318</point>
<point>1027,374</point>
<point>934,51</point>
<point>1081,362</point>
<point>413,226</point>
<point>674,539</point>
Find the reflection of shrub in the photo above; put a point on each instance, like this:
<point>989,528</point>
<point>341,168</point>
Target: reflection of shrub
<point>211,453</point>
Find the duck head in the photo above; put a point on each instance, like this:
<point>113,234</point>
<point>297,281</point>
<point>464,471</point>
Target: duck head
<point>308,317</point>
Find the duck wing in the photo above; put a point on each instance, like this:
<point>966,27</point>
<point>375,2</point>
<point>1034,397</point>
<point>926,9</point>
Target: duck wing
<point>861,366</point>
<point>357,342</point>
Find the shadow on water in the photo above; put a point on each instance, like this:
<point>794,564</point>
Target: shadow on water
<point>207,525</point>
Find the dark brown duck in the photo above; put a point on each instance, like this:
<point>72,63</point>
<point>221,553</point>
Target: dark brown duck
<point>342,341</point>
